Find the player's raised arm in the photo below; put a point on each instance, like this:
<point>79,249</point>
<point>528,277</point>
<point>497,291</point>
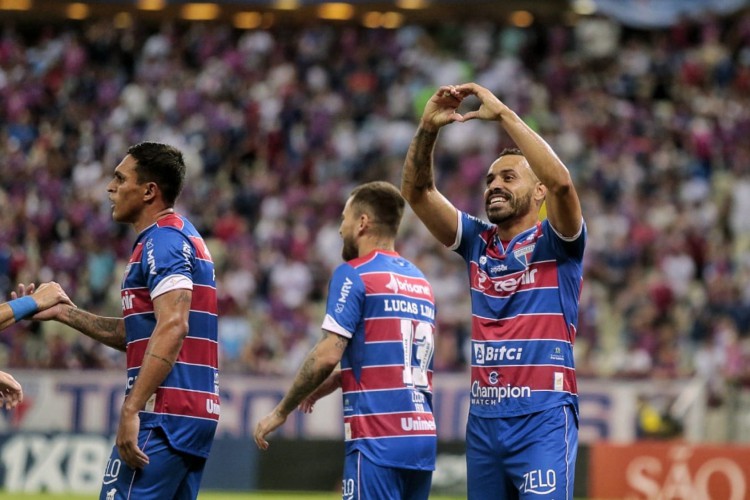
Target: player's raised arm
<point>563,206</point>
<point>418,178</point>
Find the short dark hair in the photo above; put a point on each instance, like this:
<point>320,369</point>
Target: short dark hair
<point>510,151</point>
<point>383,201</point>
<point>162,164</point>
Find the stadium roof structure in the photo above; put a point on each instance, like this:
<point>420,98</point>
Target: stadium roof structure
<point>257,13</point>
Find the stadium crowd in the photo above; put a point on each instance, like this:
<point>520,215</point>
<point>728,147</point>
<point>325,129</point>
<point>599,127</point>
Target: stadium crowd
<point>278,125</point>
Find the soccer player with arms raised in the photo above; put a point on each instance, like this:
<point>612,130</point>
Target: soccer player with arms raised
<point>379,323</point>
<point>525,279</point>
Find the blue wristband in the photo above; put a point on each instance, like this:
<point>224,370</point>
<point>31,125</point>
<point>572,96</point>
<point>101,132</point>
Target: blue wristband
<point>23,307</point>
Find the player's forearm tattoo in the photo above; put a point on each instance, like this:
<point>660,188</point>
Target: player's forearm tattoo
<point>418,171</point>
<point>341,343</point>
<point>108,331</point>
<point>307,380</point>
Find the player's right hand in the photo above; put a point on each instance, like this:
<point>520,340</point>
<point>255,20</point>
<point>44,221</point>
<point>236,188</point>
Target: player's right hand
<point>268,424</point>
<point>442,108</point>
<point>50,298</point>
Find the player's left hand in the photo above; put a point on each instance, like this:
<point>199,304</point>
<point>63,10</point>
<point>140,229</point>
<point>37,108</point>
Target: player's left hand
<point>269,423</point>
<point>127,441</point>
<point>10,391</point>
<point>491,108</point>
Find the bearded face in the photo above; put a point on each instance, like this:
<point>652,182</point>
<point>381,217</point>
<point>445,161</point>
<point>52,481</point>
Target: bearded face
<point>511,186</point>
<point>503,205</point>
<point>348,232</point>
<point>349,250</point>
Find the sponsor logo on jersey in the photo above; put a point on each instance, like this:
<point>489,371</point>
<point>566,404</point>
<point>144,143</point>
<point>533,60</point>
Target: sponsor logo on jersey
<point>150,259</point>
<point>484,282</point>
<point>212,407</point>
<point>127,300</point>
<point>396,285</point>
<point>346,288</point>
<point>187,253</point>
<point>497,269</point>
<point>487,353</point>
<point>417,424</point>
<point>490,395</point>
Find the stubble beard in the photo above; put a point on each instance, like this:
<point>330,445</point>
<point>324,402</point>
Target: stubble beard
<point>519,208</point>
<point>349,251</point>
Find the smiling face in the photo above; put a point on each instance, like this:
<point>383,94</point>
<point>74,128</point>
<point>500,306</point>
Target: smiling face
<point>125,193</point>
<point>509,195</point>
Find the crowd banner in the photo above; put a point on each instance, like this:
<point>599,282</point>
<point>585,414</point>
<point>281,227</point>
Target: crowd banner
<point>89,403</point>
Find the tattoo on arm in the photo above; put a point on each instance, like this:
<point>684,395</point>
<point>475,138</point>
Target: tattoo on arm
<point>341,343</point>
<point>183,298</point>
<point>309,377</point>
<point>108,331</point>
<point>419,161</point>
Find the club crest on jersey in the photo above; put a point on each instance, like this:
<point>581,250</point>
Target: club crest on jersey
<point>523,253</point>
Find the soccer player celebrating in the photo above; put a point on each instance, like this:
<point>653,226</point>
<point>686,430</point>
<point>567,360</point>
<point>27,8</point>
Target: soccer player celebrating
<point>525,279</point>
<point>168,330</point>
<point>25,304</point>
<point>379,324</point>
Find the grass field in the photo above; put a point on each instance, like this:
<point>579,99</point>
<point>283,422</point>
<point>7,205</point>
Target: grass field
<point>202,496</point>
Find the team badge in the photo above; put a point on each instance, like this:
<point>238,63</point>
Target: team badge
<point>523,253</point>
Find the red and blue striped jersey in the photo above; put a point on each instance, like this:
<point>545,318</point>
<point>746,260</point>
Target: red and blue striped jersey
<point>385,306</point>
<point>524,301</point>
<point>171,255</point>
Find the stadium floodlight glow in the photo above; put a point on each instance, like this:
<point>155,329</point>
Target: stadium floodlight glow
<point>151,4</point>
<point>286,4</point>
<point>584,7</point>
<point>248,20</point>
<point>372,19</point>
<point>392,20</point>
<point>412,4</point>
<point>521,18</point>
<point>77,11</point>
<point>122,20</point>
<point>335,11</point>
<point>200,11</point>
<point>15,5</point>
